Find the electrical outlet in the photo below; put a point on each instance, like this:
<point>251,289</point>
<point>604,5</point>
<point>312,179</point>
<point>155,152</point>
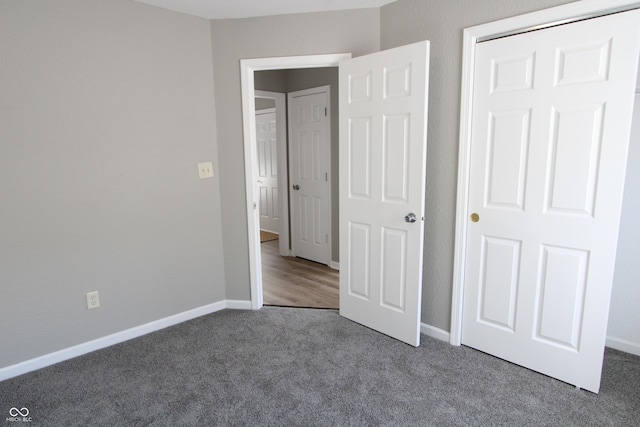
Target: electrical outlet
<point>205,170</point>
<point>93,300</point>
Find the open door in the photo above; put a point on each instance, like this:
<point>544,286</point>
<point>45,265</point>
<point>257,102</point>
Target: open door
<point>383,135</point>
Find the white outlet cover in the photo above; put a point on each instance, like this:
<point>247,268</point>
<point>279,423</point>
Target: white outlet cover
<point>93,300</point>
<point>205,170</point>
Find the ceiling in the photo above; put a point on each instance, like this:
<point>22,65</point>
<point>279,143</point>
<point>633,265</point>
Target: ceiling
<point>223,9</point>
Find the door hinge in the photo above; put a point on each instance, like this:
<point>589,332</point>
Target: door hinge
<point>325,111</point>
<point>326,176</point>
<point>326,238</point>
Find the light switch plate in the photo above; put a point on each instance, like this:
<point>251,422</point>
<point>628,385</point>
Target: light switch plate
<point>205,170</point>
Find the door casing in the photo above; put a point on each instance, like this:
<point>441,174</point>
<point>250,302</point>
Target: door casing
<point>247,69</point>
<point>535,20</point>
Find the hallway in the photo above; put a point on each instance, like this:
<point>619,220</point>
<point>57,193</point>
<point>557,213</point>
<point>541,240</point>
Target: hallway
<point>296,282</point>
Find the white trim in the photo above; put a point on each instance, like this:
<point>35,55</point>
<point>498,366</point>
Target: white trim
<point>623,345</point>
<point>335,265</point>
<point>470,37</point>
<point>326,89</point>
<point>311,91</point>
<point>283,178</point>
<point>231,304</point>
<point>247,69</point>
<point>433,332</point>
<point>624,7</point>
<point>117,338</point>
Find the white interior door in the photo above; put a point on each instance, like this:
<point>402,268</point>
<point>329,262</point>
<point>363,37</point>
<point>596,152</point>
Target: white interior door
<point>268,170</point>
<point>310,167</point>
<point>551,119</point>
<point>383,130</point>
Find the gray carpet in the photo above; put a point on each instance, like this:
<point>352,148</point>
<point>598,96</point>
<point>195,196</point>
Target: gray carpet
<point>285,366</point>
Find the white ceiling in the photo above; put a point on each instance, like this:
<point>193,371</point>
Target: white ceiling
<point>223,9</point>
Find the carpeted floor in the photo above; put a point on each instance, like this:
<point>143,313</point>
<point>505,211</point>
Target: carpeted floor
<point>285,366</point>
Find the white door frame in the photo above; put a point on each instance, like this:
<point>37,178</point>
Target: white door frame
<point>247,69</point>
<point>283,176</point>
<point>535,20</point>
<point>292,162</point>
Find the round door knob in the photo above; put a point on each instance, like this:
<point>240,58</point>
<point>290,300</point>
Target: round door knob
<point>410,218</point>
<point>475,217</point>
<point>296,187</point>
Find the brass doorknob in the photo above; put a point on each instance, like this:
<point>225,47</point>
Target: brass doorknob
<point>475,217</point>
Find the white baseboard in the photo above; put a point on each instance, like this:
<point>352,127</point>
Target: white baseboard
<point>433,332</point>
<point>237,304</point>
<point>623,345</point>
<point>615,343</point>
<point>118,337</point>
<point>335,265</point>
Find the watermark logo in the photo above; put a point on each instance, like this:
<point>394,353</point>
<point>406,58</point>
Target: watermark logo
<point>19,415</point>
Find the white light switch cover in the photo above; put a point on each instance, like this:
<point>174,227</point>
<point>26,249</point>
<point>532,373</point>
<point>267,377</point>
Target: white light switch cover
<point>205,170</point>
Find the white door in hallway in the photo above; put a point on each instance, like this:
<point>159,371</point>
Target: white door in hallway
<point>551,117</point>
<point>383,131</point>
<point>268,170</point>
<point>310,167</point>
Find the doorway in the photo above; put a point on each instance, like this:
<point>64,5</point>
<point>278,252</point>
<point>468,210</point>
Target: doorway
<point>380,282</point>
<point>249,67</point>
<point>297,276</point>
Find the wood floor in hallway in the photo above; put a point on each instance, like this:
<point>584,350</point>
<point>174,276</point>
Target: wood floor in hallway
<point>296,282</point>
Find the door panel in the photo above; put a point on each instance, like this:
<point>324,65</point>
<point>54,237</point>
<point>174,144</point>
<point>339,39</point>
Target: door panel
<point>310,151</point>
<point>574,158</point>
<point>268,171</point>
<point>395,161</point>
<point>360,158</point>
<point>560,297</point>
<point>508,148</point>
<point>358,281</point>
<point>551,119</point>
<point>383,161</point>
<point>392,268</point>
<point>499,283</point>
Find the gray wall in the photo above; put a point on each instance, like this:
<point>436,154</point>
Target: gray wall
<point>271,80</point>
<point>106,108</point>
<point>264,103</point>
<point>442,22</point>
<point>355,31</point>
